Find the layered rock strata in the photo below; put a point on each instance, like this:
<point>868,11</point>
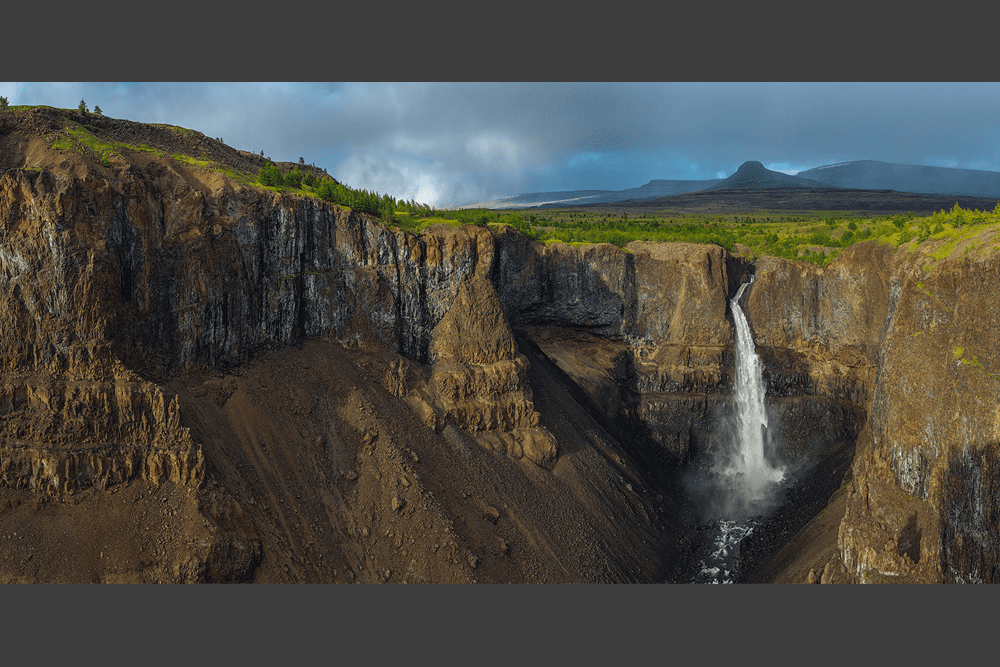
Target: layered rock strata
<point>923,504</point>
<point>316,397</point>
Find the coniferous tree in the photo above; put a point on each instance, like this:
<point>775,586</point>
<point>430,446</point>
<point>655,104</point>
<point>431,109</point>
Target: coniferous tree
<point>293,179</point>
<point>269,174</point>
<point>958,215</point>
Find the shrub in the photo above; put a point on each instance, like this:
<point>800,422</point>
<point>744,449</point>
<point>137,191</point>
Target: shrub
<point>293,179</point>
<point>269,174</point>
<point>958,216</point>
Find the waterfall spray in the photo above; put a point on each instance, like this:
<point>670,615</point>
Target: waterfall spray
<point>752,478</point>
<point>743,482</point>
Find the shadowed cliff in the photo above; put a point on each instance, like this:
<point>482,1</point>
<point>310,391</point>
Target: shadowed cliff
<point>205,380</point>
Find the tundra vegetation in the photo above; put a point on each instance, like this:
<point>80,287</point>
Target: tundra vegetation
<point>814,236</point>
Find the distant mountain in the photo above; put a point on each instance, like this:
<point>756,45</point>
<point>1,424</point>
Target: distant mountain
<point>752,175</point>
<point>655,188</point>
<point>875,175</point>
<point>565,198</point>
<point>664,188</point>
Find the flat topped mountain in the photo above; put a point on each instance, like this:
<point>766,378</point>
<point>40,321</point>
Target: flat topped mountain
<point>876,175</point>
<point>752,175</point>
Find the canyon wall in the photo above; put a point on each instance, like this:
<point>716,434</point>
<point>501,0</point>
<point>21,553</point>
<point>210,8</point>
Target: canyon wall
<point>318,397</point>
<point>923,504</point>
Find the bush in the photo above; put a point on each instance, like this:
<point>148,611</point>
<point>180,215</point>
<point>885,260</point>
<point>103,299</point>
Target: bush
<point>270,175</point>
<point>293,179</point>
<point>958,217</point>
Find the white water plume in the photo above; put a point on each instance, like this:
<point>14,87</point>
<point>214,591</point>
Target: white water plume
<point>748,477</point>
<point>741,485</point>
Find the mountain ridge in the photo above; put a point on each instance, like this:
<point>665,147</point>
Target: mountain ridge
<point>852,175</point>
<point>754,175</point>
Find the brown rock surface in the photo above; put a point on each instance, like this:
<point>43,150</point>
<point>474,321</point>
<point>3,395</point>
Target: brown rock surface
<point>202,380</point>
<point>923,502</point>
<point>920,503</point>
<point>280,390</point>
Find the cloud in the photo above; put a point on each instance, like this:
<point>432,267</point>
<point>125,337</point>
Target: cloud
<point>494,150</point>
<point>784,168</point>
<point>484,140</point>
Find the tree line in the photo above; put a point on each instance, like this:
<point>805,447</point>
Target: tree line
<point>327,189</point>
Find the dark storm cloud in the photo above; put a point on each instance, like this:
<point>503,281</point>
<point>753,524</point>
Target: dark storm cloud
<point>455,143</point>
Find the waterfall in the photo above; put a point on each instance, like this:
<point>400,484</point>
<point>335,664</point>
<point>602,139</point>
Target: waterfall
<point>753,476</point>
<point>742,483</point>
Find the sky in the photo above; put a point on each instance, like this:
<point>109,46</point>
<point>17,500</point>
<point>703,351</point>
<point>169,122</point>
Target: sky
<point>449,144</point>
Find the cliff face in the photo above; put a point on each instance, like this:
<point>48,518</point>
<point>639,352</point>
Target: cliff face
<point>923,504</point>
<point>207,381</point>
<point>909,336</point>
<point>169,328</point>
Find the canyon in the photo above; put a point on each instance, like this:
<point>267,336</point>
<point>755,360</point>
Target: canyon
<point>208,381</point>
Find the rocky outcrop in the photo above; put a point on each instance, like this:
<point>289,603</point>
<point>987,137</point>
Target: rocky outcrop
<point>923,504</point>
<point>560,388</point>
<point>137,290</point>
<point>820,329</point>
<point>59,436</point>
<point>479,378</point>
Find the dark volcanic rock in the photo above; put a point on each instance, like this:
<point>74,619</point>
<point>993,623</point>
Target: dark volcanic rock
<point>290,391</point>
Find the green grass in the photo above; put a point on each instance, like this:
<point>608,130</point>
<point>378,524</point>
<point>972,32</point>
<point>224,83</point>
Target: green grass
<point>813,236</point>
<point>409,222</point>
<point>187,159</point>
<point>954,236</point>
<point>75,138</point>
<point>246,179</point>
